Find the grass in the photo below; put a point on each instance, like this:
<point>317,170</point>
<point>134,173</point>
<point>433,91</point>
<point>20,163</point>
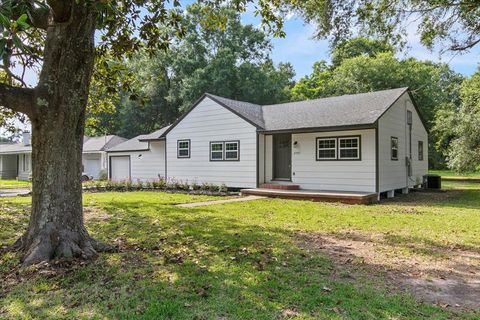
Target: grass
<point>230,261</point>
<point>452,175</point>
<point>14,184</point>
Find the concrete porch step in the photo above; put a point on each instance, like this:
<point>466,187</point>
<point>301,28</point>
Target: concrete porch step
<point>278,186</point>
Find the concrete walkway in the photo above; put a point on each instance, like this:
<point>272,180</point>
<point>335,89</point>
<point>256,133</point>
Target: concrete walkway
<point>14,192</point>
<point>208,203</point>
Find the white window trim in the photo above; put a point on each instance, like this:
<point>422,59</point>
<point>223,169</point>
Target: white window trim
<point>217,151</point>
<point>178,148</point>
<point>224,150</point>
<point>237,150</point>
<point>333,148</point>
<point>340,148</point>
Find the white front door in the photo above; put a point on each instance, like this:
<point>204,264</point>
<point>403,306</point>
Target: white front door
<point>119,168</point>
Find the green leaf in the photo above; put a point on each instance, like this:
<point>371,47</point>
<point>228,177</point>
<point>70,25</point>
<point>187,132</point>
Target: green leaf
<point>4,21</point>
<point>22,21</point>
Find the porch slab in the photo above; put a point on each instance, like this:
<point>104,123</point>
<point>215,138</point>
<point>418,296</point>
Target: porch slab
<point>316,195</point>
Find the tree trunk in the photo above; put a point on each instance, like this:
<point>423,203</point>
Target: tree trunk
<point>56,228</point>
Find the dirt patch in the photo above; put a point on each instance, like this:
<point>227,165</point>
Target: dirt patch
<point>94,213</point>
<point>448,277</point>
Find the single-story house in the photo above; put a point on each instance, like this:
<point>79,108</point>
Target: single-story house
<point>16,158</point>
<point>369,142</point>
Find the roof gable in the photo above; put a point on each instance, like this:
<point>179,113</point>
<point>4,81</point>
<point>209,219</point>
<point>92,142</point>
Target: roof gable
<point>354,110</point>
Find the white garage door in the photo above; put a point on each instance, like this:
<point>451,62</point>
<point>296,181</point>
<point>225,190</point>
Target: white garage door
<point>120,168</point>
<point>93,167</point>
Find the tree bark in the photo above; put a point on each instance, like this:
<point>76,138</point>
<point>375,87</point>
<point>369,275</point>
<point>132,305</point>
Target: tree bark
<point>56,228</point>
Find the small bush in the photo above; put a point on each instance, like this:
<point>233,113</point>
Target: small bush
<point>103,176</point>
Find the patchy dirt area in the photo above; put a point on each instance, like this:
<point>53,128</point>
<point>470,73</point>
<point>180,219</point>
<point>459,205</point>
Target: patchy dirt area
<point>448,277</point>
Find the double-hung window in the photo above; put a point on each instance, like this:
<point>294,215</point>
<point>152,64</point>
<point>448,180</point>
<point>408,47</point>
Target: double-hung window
<point>216,151</point>
<point>349,148</point>
<point>338,148</point>
<point>394,148</point>
<point>232,150</point>
<point>183,149</point>
<point>225,151</point>
<point>326,148</point>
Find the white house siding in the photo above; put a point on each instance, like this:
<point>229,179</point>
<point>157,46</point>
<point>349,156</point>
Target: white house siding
<point>25,166</point>
<point>393,173</point>
<point>261,158</point>
<point>341,175</point>
<point>208,122</point>
<point>146,165</point>
<point>268,172</point>
<point>8,166</point>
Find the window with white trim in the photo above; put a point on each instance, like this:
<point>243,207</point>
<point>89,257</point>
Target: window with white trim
<point>216,151</point>
<point>349,148</point>
<point>183,149</point>
<point>394,148</point>
<point>224,150</point>
<point>232,150</point>
<point>326,148</point>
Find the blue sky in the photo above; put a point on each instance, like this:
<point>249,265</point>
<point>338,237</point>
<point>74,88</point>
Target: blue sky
<point>301,50</point>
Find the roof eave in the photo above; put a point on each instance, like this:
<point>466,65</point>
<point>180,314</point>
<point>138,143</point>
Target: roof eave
<point>320,129</point>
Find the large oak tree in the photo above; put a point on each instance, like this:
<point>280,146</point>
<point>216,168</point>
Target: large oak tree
<point>58,38</point>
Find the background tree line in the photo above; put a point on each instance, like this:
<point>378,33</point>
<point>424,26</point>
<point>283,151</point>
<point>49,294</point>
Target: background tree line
<point>235,62</point>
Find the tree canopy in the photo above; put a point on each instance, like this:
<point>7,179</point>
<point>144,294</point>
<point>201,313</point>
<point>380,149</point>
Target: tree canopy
<point>232,62</point>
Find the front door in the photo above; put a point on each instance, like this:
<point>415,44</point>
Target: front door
<point>282,156</point>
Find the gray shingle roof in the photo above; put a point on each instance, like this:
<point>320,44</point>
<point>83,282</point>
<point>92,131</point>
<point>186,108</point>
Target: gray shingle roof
<point>139,143</point>
<point>131,145</point>
<point>15,148</point>
<point>362,109</point>
<point>346,110</point>
<point>103,143</point>
<point>90,144</point>
<point>154,135</point>
<point>250,111</point>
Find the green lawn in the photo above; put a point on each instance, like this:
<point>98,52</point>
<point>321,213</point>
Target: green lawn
<point>14,184</point>
<point>232,261</point>
<point>451,175</point>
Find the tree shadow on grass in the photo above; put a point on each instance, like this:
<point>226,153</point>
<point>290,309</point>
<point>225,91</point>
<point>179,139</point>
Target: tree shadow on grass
<point>194,263</point>
<point>450,198</point>
<point>448,277</point>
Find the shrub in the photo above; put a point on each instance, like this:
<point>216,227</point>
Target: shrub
<point>103,175</point>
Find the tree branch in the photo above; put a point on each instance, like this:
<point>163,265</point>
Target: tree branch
<point>17,99</point>
<point>61,9</point>
<point>466,46</point>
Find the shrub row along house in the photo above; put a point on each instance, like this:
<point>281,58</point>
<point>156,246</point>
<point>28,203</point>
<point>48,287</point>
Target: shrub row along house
<point>16,158</point>
<point>371,142</point>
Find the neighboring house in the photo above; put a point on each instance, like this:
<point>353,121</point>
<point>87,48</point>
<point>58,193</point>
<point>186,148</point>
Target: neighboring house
<point>16,158</point>
<point>140,158</point>
<point>94,157</point>
<point>369,142</point>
